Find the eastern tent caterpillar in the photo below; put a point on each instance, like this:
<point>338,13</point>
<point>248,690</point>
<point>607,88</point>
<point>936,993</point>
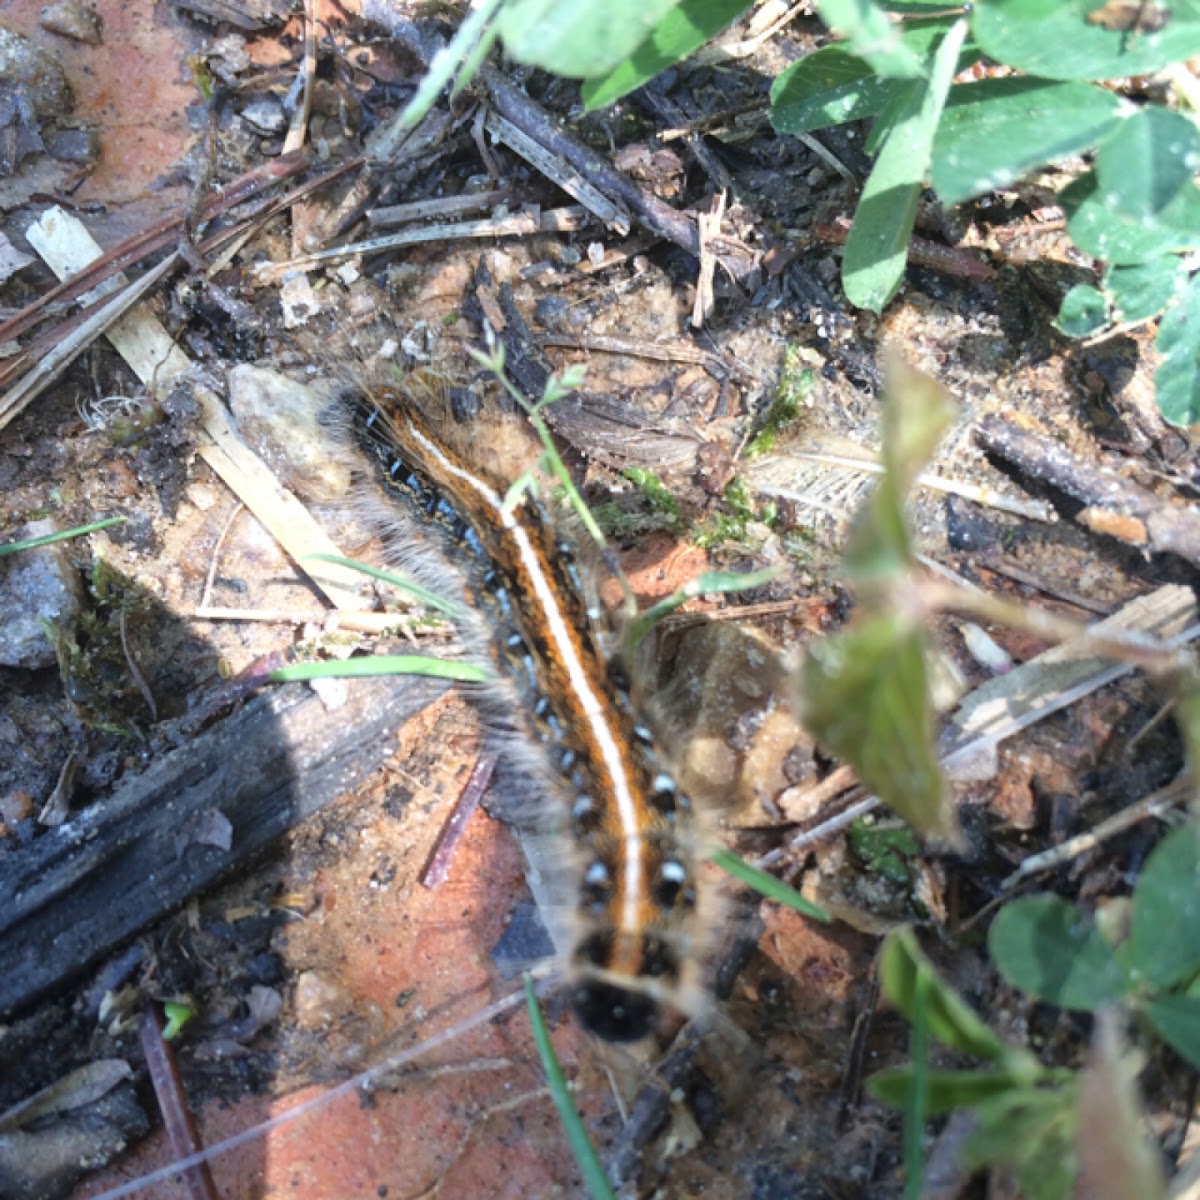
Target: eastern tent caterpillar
<point>637,894</point>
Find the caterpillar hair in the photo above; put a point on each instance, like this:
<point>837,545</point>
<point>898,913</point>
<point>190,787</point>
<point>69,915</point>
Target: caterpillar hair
<point>634,944</point>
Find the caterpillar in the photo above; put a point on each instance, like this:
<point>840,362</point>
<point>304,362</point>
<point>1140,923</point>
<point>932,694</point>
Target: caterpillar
<point>632,948</point>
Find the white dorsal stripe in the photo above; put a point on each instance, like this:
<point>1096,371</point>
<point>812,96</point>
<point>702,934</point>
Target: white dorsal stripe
<point>592,705</point>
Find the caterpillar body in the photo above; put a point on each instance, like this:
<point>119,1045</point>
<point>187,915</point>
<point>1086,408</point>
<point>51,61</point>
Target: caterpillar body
<point>633,945</point>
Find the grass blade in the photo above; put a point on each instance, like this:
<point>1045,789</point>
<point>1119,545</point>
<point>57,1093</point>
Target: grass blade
<point>581,1146</point>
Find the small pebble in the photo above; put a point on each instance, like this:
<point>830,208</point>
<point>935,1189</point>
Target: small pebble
<point>280,419</point>
<point>35,586</point>
<point>25,65</point>
<point>80,147</point>
<point>265,115</point>
<point>72,19</point>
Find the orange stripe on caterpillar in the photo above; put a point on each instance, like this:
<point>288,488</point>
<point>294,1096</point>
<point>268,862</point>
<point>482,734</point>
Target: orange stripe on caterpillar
<point>631,828</point>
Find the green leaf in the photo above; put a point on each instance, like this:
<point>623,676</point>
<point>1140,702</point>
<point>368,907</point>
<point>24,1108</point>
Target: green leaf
<point>997,130</point>
<point>948,1090</point>
<point>1097,229</point>
<point>885,850</point>
<point>682,30</point>
<point>767,885</point>
<point>864,695</point>
<point>1054,38</point>
<point>950,1020</point>
<point>578,38</point>
<point>1084,310</point>
<point>1139,293</point>
<point>833,85</point>
<point>1178,376</point>
<point>585,1154</point>
<point>871,37</point>
<point>178,1014</point>
<point>1164,938</point>
<point>828,87</point>
<point>1033,1131</point>
<point>1147,161</point>
<point>1046,947</point>
<point>916,412</point>
<point>1177,1020</point>
<point>877,248</point>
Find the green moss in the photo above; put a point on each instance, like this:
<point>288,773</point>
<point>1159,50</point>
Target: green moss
<point>656,493</point>
<point>795,383</point>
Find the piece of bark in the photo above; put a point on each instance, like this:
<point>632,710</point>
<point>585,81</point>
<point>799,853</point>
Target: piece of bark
<point>82,889</point>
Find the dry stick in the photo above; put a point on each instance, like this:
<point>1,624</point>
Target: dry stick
<point>295,134</point>
<point>443,206</point>
<point>359,1083</point>
<point>51,355</point>
<point>438,866</point>
<point>949,260</point>
<point>1002,566</point>
<point>518,224</point>
<point>157,236</point>
<point>709,226</point>
<point>61,357</point>
<point>172,1104</point>
<point>658,217</point>
<point>802,802</point>
<point>721,365</point>
<point>559,173</point>
<point>1115,506</point>
<point>1154,805</point>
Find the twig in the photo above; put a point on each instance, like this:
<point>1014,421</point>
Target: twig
<point>720,365</point>
<point>159,235</point>
<point>709,226</point>
<point>134,670</point>
<point>560,172</point>
<point>308,68</point>
<point>1114,505</point>
<point>984,726</point>
<point>361,621</point>
<point>946,259</point>
<point>438,866</point>
<point>210,577</point>
<point>520,224</point>
<point>57,360</point>
<point>172,1103</point>
<point>441,206</point>
<point>1001,566</point>
<point>657,216</point>
<point>1155,805</point>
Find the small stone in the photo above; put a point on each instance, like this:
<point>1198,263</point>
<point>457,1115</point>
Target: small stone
<point>280,420</point>
<point>80,147</point>
<point>25,65</point>
<point>35,586</point>
<point>319,1000</point>
<point>265,115</point>
<point>12,260</point>
<point>16,806</point>
<point>72,19</point>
